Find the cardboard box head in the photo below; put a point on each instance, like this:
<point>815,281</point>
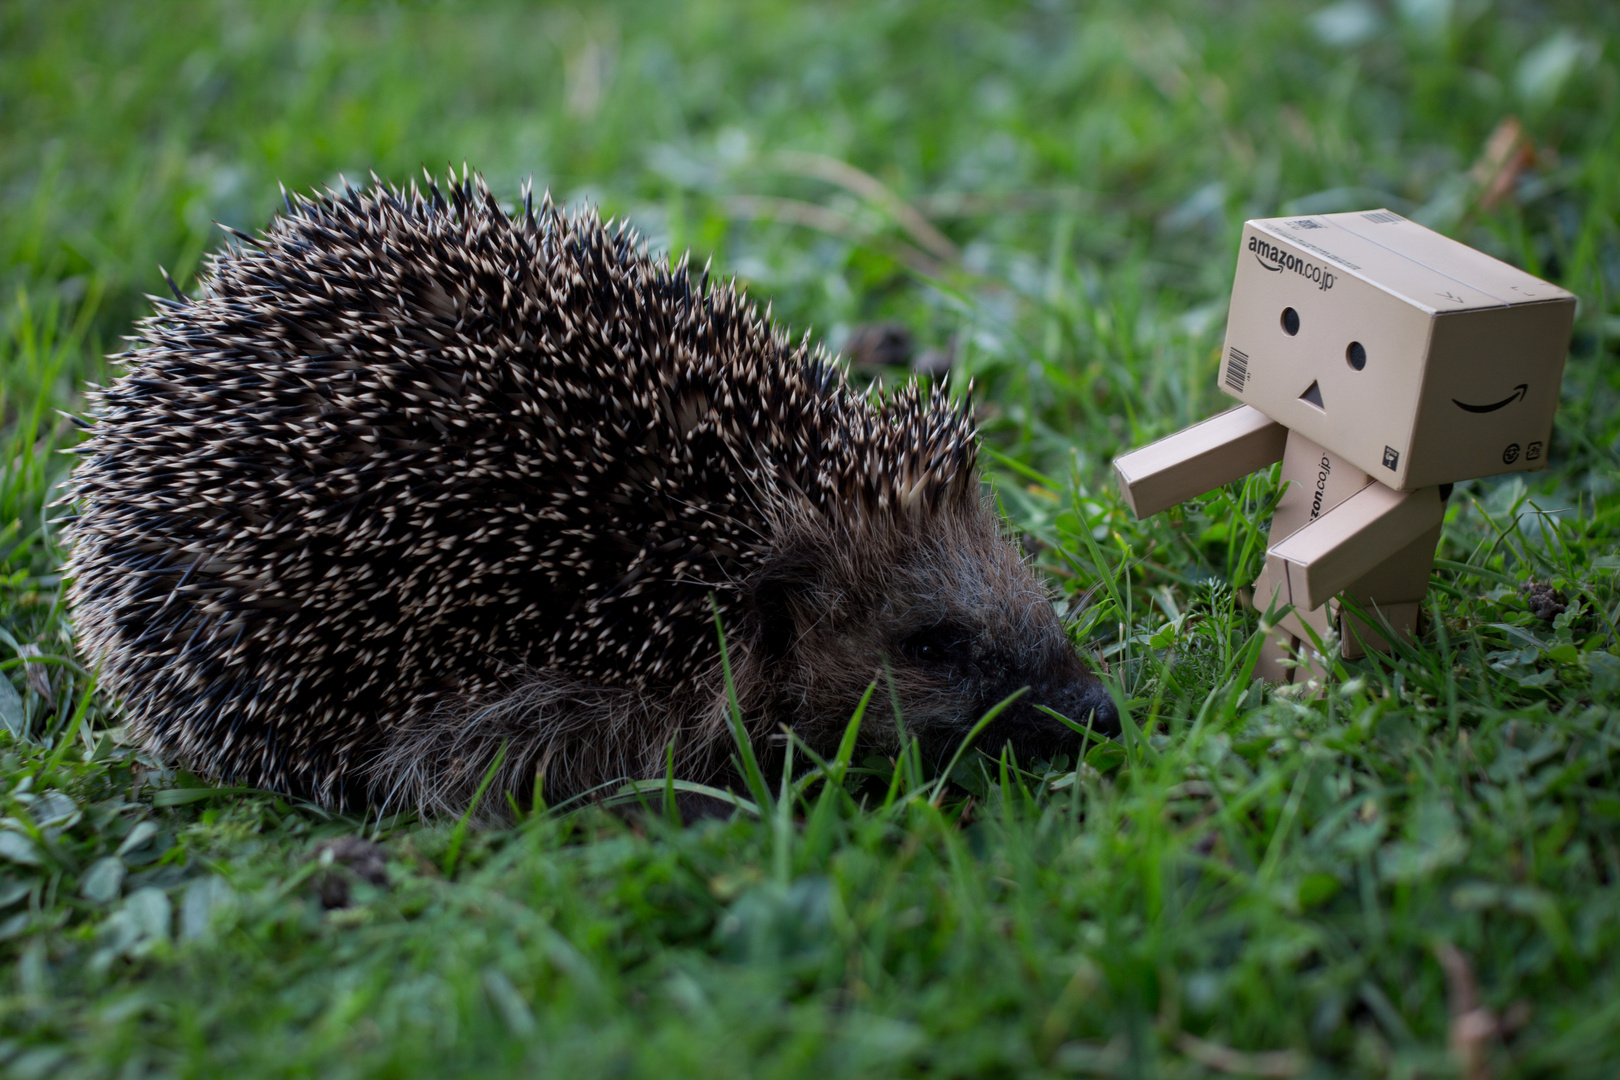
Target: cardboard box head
<point>1418,359</point>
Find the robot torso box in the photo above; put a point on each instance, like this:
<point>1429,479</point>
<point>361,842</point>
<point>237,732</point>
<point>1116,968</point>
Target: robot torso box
<point>1417,358</point>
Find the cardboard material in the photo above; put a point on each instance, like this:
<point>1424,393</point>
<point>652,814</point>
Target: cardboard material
<point>1402,576</point>
<point>1459,261</point>
<point>1286,659</point>
<point>1328,556</point>
<point>1271,595</point>
<point>1316,481</point>
<point>1273,651</point>
<point>1197,459</point>
<point>1358,637</point>
<point>1269,666</point>
<point>1460,356</point>
<point>1485,356</point>
<point>1393,590</point>
<point>1379,361</point>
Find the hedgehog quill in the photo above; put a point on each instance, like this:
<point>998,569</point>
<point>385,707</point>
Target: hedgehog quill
<point>414,478</point>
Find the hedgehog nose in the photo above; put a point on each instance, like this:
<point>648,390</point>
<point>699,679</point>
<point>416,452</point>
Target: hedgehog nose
<point>1096,707</point>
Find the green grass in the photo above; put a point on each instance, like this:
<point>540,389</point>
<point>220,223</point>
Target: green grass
<point>1417,874</point>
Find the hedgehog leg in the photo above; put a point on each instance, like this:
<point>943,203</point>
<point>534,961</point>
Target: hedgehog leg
<point>556,736</point>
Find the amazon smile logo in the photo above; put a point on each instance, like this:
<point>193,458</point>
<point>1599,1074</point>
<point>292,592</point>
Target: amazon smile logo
<point>1518,392</point>
<point>1277,260</point>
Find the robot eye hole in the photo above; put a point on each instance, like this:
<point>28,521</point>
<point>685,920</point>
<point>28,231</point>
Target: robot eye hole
<point>1356,355</point>
<point>1290,321</point>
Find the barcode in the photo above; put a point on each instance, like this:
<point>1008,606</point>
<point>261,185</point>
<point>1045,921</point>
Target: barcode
<point>1307,223</point>
<point>1237,370</point>
<point>1383,217</point>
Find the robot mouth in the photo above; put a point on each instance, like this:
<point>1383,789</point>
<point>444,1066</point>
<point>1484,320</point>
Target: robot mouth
<point>1518,392</point>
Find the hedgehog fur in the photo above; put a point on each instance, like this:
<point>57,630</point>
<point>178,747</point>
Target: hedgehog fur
<point>415,479</point>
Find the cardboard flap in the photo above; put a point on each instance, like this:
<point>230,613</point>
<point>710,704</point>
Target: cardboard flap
<point>1339,250</point>
<point>1458,261</point>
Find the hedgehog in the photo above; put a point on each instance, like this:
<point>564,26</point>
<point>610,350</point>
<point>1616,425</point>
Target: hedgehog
<point>415,482</point>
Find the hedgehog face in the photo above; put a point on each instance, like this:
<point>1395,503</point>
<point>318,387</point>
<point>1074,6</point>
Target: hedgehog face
<point>956,617</point>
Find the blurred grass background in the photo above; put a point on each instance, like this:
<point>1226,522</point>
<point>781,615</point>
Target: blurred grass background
<point>1418,874</point>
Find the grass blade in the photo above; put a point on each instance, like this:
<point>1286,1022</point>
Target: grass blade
<point>752,776</point>
<point>671,811</point>
<point>453,853</point>
<point>634,790</point>
<point>973,733</point>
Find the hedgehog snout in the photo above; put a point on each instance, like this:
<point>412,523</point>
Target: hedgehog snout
<point>1055,679</point>
<point>1086,701</point>
<point>950,671</point>
<point>949,623</point>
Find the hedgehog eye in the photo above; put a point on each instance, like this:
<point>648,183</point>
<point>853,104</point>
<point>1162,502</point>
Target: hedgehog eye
<point>943,643</point>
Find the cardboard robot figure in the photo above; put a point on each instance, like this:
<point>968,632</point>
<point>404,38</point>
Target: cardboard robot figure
<point>1381,363</point>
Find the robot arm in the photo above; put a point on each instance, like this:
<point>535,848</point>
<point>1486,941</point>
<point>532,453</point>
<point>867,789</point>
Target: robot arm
<point>1199,458</point>
<point>1332,553</point>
